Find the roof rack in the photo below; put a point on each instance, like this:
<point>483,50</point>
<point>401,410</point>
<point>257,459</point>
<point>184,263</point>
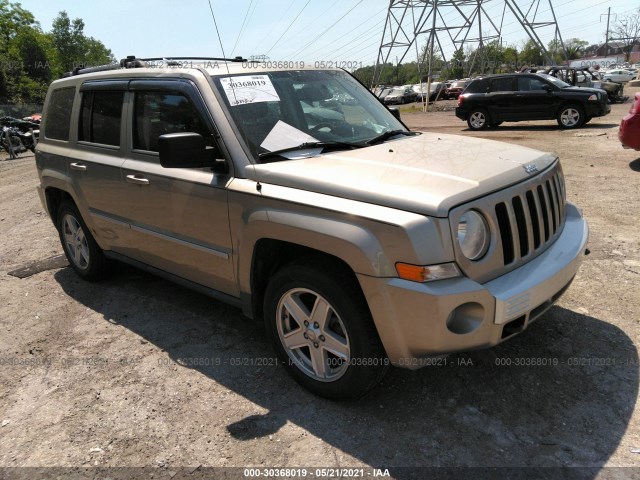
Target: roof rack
<point>132,62</point>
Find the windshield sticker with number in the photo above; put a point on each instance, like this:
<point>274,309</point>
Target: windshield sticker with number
<point>249,89</point>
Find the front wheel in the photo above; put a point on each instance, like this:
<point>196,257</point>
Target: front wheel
<point>571,116</point>
<point>478,119</point>
<point>322,331</point>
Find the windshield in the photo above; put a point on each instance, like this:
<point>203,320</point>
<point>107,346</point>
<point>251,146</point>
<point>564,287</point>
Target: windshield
<point>556,81</point>
<point>280,110</point>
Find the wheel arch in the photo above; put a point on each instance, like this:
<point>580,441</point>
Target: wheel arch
<point>269,255</point>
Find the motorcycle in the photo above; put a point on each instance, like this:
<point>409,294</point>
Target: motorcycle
<point>19,135</point>
<point>11,142</point>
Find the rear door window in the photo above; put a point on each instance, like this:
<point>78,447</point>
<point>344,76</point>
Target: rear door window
<point>504,84</point>
<point>100,117</point>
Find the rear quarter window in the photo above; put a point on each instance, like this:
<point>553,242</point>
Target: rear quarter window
<point>58,117</point>
<point>478,86</point>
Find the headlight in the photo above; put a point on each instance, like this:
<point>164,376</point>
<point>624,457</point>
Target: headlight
<point>473,235</point>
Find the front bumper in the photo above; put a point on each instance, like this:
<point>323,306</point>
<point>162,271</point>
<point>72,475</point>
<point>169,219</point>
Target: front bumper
<point>416,320</point>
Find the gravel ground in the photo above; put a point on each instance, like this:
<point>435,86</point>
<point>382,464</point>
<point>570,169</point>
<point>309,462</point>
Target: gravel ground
<point>138,372</point>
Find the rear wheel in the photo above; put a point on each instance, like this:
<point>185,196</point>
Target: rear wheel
<point>322,331</point>
<point>478,119</point>
<point>82,251</point>
<point>571,116</point>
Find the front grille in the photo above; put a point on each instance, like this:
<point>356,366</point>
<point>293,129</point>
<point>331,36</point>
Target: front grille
<point>530,219</point>
<point>525,219</point>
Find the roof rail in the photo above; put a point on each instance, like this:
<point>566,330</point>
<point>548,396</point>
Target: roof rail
<point>132,62</point>
<point>177,59</point>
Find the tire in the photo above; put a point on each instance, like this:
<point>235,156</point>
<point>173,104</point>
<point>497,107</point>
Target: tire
<point>478,119</point>
<point>571,116</point>
<point>402,101</point>
<point>82,251</point>
<point>337,355</point>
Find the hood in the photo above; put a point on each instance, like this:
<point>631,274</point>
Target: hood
<point>427,174</point>
<point>582,89</point>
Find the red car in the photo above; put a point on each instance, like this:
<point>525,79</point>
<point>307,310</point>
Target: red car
<point>629,133</point>
<point>456,88</point>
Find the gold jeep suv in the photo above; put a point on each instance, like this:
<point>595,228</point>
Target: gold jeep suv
<point>296,195</point>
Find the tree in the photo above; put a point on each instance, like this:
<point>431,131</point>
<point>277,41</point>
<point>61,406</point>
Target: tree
<point>74,48</point>
<point>531,54</point>
<point>510,57</point>
<point>456,64</point>
<point>575,48</point>
<point>627,31</point>
<point>13,18</point>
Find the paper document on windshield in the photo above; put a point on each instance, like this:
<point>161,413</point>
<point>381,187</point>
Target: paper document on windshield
<point>283,135</point>
<point>249,89</point>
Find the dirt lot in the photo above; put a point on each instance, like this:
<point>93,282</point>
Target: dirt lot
<point>139,372</point>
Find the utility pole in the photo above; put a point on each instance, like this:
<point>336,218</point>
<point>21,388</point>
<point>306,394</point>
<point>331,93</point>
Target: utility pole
<point>606,38</point>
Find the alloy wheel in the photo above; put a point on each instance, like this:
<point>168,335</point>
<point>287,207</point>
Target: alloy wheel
<point>313,334</point>
<point>75,241</point>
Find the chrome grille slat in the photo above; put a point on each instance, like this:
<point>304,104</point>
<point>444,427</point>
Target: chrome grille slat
<point>553,208</point>
<point>515,236</point>
<point>536,218</point>
<point>527,222</point>
<point>558,190</point>
<point>544,207</point>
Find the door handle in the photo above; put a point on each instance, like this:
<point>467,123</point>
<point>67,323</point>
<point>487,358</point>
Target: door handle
<point>78,166</point>
<point>137,180</point>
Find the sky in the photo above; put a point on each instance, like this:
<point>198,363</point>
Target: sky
<point>295,30</point>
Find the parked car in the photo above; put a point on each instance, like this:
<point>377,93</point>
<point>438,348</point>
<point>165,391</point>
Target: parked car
<point>619,75</point>
<point>629,133</point>
<point>400,96</point>
<point>384,92</point>
<point>490,100</point>
<point>456,88</point>
<point>436,91</point>
<point>584,77</point>
<point>355,255</point>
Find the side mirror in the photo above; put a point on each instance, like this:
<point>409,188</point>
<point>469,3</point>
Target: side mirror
<point>547,88</point>
<point>189,150</point>
<point>395,112</point>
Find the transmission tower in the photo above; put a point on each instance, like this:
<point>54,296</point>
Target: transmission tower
<point>453,25</point>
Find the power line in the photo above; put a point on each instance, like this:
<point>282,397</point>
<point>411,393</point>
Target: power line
<point>287,29</point>
<point>326,30</point>
<point>244,21</point>
<point>349,42</point>
<point>284,13</point>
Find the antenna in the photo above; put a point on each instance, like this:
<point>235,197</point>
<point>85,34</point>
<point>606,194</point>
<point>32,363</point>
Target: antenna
<point>221,47</point>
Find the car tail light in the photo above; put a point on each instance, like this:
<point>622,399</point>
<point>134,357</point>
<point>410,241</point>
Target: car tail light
<point>460,100</point>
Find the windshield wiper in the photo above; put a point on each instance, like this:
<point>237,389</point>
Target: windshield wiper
<point>310,145</point>
<point>388,134</point>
